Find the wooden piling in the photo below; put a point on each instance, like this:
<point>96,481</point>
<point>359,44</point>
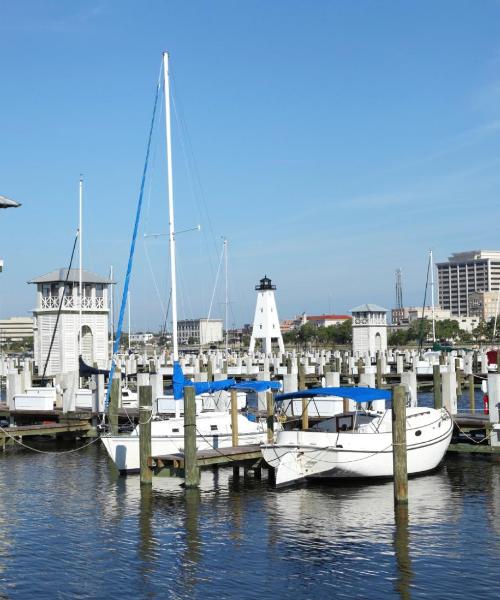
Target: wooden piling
<point>379,371</point>
<point>472,397</point>
<point>145,412</point>
<point>270,417</point>
<point>399,458</point>
<point>438,396</point>
<point>113,405</point>
<point>361,366</point>
<point>191,469</point>
<point>459,377</point>
<point>234,428</point>
<point>234,418</point>
<point>302,386</point>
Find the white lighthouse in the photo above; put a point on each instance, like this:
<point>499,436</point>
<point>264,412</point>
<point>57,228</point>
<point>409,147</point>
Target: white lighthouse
<point>53,296</point>
<point>266,325</point>
<point>369,329</point>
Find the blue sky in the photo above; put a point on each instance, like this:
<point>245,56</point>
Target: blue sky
<point>330,142</point>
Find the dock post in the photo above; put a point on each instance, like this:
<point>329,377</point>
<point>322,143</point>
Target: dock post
<point>399,445</point>
<point>145,412</point>
<point>302,386</point>
<point>113,405</point>
<point>459,377</point>
<point>234,427</point>
<point>472,397</point>
<point>438,396</point>
<point>379,371</point>
<point>234,418</point>
<point>270,417</point>
<point>191,469</point>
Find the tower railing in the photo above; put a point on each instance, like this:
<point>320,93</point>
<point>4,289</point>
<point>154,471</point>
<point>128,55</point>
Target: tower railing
<point>71,302</point>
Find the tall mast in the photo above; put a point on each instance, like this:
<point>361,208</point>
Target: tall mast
<point>171,228</point>
<point>432,296</point>
<point>225,268</point>
<point>112,307</point>
<point>129,327</point>
<point>80,277</point>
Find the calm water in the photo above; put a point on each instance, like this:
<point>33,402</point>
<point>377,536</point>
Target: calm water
<point>71,528</point>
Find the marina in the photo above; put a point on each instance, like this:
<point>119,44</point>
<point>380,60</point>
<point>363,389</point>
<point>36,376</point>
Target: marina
<point>202,392</point>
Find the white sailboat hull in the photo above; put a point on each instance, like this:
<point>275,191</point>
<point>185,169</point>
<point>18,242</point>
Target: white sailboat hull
<point>299,455</point>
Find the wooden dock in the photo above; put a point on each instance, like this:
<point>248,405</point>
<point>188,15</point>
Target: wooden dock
<point>172,465</point>
<point>9,434</point>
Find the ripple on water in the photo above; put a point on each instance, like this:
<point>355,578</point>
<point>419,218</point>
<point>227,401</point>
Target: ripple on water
<point>72,529</point>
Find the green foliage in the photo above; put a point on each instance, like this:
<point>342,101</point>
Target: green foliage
<point>311,335</point>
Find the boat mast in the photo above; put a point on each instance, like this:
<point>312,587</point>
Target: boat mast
<point>171,229</point>
<point>225,268</point>
<point>80,277</point>
<point>129,327</point>
<point>432,296</point>
<point>112,311</point>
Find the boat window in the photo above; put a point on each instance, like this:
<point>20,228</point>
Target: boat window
<point>418,432</point>
<point>175,430</point>
<point>213,427</point>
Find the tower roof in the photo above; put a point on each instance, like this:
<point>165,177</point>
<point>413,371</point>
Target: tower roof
<point>265,284</point>
<point>59,275</point>
<point>368,308</point>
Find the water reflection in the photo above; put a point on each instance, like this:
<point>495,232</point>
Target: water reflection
<point>108,537</point>
<point>402,552</point>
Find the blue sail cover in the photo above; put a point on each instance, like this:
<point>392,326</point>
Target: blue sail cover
<point>208,387</point>
<point>358,394</point>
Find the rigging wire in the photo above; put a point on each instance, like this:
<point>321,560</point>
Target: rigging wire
<point>60,307</point>
<point>132,246</point>
<point>421,333</point>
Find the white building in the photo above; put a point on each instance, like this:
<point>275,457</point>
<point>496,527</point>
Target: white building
<point>200,332</point>
<point>266,325</point>
<point>141,338</point>
<point>52,294</point>
<point>327,320</point>
<point>16,329</point>
<point>369,328</point>
<point>464,273</point>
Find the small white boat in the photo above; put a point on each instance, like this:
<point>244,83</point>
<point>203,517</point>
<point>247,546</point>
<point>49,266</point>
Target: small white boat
<point>129,398</point>
<point>359,443</point>
<point>167,437</point>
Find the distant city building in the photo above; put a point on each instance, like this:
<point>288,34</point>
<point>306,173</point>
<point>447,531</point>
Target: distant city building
<point>200,332</point>
<point>465,273</point>
<point>16,329</point>
<point>483,305</point>
<point>407,314</point>
<point>141,338</point>
<point>266,325</point>
<point>52,294</point>
<point>318,320</point>
<point>369,328</point>
<point>327,320</point>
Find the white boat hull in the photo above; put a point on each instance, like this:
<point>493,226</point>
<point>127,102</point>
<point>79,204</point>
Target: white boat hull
<point>299,455</point>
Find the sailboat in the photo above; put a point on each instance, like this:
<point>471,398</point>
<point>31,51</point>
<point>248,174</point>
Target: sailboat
<point>214,427</point>
<point>357,443</point>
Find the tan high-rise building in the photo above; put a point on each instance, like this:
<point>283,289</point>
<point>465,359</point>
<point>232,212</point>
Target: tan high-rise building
<point>465,273</point>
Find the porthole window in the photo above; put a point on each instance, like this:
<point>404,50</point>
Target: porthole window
<point>418,432</point>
